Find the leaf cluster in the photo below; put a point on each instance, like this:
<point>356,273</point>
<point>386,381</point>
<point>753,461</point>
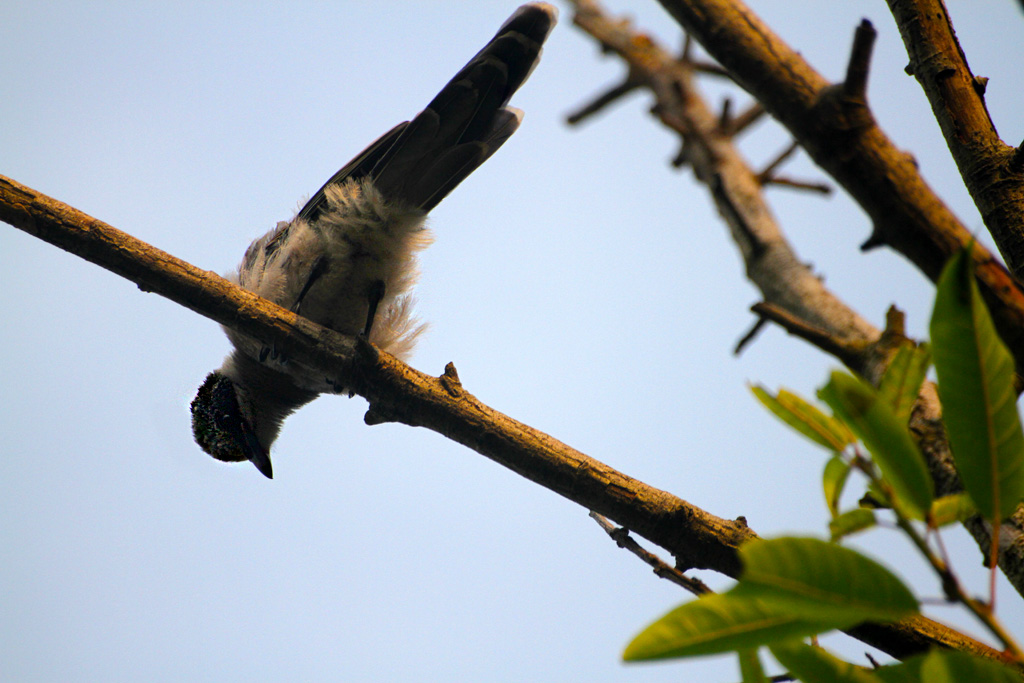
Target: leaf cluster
<point>794,588</point>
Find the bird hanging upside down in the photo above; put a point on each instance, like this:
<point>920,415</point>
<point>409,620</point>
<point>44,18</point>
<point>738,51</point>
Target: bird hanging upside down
<point>347,260</point>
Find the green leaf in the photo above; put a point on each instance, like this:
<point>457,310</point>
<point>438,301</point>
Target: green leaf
<point>717,623</point>
<point>903,378</point>
<point>821,581</point>
<point>875,498</point>
<point>805,418</point>
<point>851,522</point>
<point>750,667</point>
<point>951,666</point>
<point>957,507</point>
<point>815,665</point>
<point>907,671</point>
<point>976,389</point>
<point>837,470</point>
<point>885,436</point>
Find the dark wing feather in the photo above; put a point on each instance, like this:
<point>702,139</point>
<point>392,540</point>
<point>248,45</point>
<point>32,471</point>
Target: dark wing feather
<point>359,167</point>
<point>419,162</point>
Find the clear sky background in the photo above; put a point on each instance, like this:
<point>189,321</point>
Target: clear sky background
<point>577,282</point>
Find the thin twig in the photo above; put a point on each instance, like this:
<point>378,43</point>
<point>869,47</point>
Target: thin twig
<point>768,172</point>
<point>951,585</point>
<point>748,117</point>
<point>850,354</point>
<point>751,334</point>
<point>663,570</point>
<point>808,185</point>
<point>709,68</point>
<point>601,101</point>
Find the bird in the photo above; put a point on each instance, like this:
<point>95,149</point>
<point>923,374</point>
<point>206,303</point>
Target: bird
<point>347,260</point>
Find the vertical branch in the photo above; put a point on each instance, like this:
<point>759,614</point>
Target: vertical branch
<point>987,165</point>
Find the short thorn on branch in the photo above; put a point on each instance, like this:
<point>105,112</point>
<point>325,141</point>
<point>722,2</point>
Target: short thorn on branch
<point>895,322</point>
<point>875,240</point>
<point>855,86</point>
<point>1016,163</point>
<point>750,336</point>
<point>683,157</point>
<point>725,118</point>
<point>450,379</point>
<point>849,100</point>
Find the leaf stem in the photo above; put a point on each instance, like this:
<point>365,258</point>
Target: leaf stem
<point>950,584</point>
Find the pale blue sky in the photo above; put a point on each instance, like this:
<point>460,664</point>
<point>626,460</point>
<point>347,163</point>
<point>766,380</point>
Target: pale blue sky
<point>577,282</point>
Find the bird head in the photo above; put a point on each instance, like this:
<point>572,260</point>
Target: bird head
<point>223,424</point>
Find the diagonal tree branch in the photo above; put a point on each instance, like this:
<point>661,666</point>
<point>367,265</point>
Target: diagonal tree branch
<point>396,392</point>
<point>957,98</point>
<point>790,288</point>
<point>771,263</point>
<point>794,297</point>
<point>840,134</point>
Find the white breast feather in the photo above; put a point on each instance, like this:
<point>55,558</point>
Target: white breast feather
<point>365,240</point>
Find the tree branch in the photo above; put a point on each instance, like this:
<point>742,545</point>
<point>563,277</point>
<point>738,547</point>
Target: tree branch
<point>736,188</point>
<point>794,297</point>
<point>957,98</point>
<point>396,392</point>
<point>790,290</point>
<point>840,134</point>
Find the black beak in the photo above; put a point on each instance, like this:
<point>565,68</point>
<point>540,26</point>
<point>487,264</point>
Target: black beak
<point>258,455</point>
